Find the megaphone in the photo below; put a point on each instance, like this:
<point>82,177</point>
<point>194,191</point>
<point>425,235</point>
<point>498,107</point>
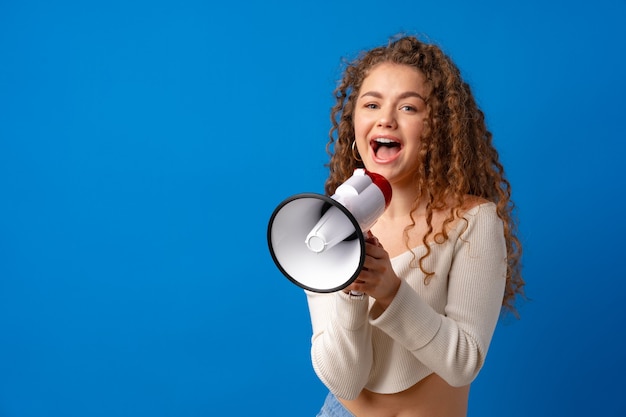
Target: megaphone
<point>317,241</point>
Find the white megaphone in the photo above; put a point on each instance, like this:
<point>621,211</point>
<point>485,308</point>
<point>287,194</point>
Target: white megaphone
<point>317,241</point>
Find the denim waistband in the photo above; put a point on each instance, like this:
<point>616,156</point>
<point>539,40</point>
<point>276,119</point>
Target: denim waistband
<point>333,408</point>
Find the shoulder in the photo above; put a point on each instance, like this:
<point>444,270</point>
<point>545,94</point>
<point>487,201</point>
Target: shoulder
<point>477,208</point>
<point>475,215</point>
<point>480,223</point>
<point>471,209</point>
<point>472,203</point>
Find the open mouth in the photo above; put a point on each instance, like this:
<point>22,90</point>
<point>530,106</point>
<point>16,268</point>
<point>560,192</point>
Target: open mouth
<point>385,148</point>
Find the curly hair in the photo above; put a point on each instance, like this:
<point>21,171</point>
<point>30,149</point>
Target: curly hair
<point>457,157</point>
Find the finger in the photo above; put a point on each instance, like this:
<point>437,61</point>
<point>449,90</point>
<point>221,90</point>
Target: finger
<point>375,250</point>
<point>371,240</point>
<point>356,287</point>
<point>369,266</point>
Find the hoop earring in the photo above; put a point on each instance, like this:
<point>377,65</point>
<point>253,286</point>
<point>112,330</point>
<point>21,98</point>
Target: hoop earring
<point>355,154</point>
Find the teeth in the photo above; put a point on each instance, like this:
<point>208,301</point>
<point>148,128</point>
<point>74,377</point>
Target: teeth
<point>384,140</point>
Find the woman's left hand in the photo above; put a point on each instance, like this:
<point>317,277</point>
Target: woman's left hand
<point>377,278</point>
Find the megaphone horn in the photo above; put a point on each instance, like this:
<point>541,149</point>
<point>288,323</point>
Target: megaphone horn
<point>317,241</point>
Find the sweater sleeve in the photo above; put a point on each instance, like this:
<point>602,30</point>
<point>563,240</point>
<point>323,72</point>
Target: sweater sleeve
<point>454,344</point>
<point>341,350</point>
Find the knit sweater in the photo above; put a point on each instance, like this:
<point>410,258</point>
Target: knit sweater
<point>444,326</point>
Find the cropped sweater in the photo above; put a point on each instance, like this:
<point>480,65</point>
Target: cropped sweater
<point>443,326</point>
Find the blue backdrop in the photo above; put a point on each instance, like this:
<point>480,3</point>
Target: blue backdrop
<point>144,145</point>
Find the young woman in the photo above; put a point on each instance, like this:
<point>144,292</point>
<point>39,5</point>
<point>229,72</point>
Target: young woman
<point>442,260</point>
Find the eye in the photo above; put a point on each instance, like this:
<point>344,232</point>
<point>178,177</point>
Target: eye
<point>372,106</point>
<point>408,108</point>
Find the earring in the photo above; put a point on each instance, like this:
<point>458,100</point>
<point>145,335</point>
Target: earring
<point>355,153</point>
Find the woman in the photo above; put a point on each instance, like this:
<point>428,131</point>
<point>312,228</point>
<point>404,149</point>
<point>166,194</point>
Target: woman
<point>443,259</point>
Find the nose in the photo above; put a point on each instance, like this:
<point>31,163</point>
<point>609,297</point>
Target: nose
<point>387,120</point>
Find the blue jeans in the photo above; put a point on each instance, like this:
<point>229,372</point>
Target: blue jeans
<point>333,408</point>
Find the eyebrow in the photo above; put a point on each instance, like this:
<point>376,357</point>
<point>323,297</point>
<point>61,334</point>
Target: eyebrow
<point>404,95</point>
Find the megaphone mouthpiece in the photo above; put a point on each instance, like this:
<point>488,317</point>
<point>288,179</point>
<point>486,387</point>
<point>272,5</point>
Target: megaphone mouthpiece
<point>332,228</point>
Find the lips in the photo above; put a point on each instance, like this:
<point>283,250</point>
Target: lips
<point>385,149</point>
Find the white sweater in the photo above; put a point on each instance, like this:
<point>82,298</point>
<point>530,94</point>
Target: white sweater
<point>443,327</point>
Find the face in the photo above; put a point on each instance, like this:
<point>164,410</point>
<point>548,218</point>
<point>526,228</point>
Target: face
<point>389,119</point>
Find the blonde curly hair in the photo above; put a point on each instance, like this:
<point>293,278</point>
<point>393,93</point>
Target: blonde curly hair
<point>457,156</point>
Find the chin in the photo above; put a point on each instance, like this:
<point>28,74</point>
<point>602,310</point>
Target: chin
<point>379,169</point>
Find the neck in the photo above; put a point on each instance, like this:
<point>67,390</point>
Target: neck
<point>403,202</point>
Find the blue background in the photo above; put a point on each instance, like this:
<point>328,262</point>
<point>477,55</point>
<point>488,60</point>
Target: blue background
<point>144,145</point>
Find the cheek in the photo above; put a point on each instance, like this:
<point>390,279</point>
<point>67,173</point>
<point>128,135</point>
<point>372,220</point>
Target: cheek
<point>356,126</point>
<point>361,126</point>
<point>415,129</point>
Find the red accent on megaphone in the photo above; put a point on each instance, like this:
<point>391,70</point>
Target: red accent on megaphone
<point>382,183</point>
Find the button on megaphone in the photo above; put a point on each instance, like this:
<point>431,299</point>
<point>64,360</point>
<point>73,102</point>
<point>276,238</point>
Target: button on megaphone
<point>317,241</point>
